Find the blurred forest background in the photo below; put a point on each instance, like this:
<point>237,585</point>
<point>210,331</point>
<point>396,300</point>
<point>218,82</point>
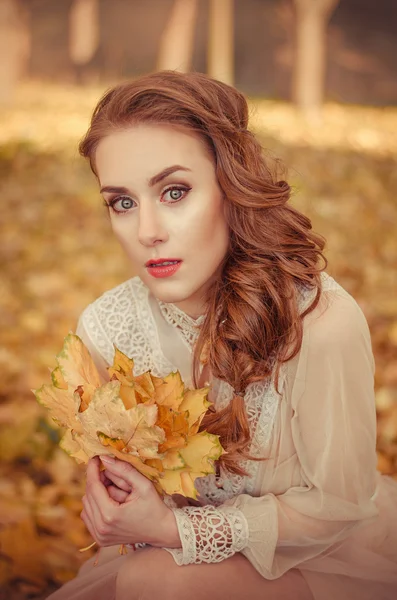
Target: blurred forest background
<point>321,77</point>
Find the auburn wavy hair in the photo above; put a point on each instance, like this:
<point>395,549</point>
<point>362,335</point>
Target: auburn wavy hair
<point>253,323</point>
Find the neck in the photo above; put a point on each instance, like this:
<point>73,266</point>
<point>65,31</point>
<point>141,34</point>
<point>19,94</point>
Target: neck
<point>188,325</point>
<point>195,306</point>
<point>194,312</point>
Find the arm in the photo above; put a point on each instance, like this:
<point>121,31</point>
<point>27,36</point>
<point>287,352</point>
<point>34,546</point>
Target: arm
<point>334,433</point>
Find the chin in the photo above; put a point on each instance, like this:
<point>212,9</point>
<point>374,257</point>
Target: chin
<point>170,291</point>
<point>170,296</point>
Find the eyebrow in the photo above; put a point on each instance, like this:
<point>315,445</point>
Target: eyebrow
<point>152,181</point>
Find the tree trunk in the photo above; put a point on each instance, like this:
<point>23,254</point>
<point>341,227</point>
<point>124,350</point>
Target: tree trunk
<point>221,41</point>
<point>83,31</point>
<point>176,44</point>
<point>312,18</point>
<point>14,47</point>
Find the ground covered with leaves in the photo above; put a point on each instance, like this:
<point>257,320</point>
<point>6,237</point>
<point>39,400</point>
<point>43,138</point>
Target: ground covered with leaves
<point>57,255</point>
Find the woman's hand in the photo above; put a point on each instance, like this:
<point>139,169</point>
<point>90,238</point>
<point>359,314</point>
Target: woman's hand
<point>129,513</point>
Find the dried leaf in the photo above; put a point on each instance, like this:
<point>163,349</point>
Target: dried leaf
<point>201,451</point>
<point>173,461</point>
<point>150,422</point>
<point>169,390</point>
<point>196,403</point>
<point>16,543</point>
<point>135,427</point>
<point>62,405</point>
<point>76,365</point>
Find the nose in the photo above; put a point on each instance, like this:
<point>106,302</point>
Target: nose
<point>151,228</point>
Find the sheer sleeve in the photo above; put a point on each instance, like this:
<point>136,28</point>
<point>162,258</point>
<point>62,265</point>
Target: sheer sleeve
<point>334,433</point>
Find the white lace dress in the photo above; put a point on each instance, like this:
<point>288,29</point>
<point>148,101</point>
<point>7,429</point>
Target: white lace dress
<point>318,503</point>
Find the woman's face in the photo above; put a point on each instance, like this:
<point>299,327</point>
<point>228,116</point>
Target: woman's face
<point>165,203</point>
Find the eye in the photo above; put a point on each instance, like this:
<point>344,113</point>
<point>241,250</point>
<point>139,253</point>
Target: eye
<point>125,202</point>
<point>176,193</point>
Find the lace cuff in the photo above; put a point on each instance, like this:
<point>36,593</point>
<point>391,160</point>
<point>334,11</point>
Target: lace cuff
<point>209,534</point>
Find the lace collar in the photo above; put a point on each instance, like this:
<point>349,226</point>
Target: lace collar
<point>188,327</point>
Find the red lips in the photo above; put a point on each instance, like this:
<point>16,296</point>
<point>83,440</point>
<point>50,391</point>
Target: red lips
<point>158,261</point>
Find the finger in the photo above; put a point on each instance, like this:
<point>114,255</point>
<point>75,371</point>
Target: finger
<point>91,509</point>
<point>105,480</point>
<point>97,492</point>
<point>117,494</point>
<point>121,483</point>
<point>95,481</point>
<point>88,523</point>
<point>121,468</point>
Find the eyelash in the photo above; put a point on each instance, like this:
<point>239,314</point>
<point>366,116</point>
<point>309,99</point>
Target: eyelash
<point>112,202</point>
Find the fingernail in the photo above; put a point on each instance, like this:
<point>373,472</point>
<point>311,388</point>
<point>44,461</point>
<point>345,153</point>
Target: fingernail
<point>107,459</point>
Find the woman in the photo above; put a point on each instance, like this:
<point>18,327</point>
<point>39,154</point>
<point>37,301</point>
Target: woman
<point>230,291</point>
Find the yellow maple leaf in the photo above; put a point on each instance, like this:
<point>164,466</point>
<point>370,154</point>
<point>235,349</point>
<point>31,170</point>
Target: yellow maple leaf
<point>62,405</point>
<point>73,448</point>
<point>174,482</point>
<point>201,451</point>
<point>111,442</point>
<point>171,483</point>
<point>172,443</point>
<point>75,363</point>
<point>75,371</point>
<point>172,422</point>
<point>199,456</point>
<point>187,482</point>
<point>196,403</point>
<point>134,390</point>
<point>156,463</point>
<point>173,461</point>
<point>58,379</point>
<point>121,363</point>
<point>88,445</point>
<point>150,422</point>
<point>169,390</point>
<point>136,427</point>
<point>141,465</point>
<point>85,393</point>
<point>145,381</point>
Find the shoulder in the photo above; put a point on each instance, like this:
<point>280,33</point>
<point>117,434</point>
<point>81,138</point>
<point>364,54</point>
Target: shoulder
<point>337,321</point>
<point>127,292</point>
<point>111,317</point>
<point>335,331</point>
<point>113,302</point>
<point>336,335</point>
<point>336,347</point>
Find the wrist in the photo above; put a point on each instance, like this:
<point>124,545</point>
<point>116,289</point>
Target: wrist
<point>170,537</point>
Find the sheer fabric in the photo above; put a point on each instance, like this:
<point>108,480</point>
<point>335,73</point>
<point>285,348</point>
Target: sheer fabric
<point>318,503</point>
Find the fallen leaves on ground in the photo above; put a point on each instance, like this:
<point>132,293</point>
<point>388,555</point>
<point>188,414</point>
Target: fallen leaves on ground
<point>58,254</point>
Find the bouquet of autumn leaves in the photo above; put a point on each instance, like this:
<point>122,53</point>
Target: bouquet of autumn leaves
<point>150,422</point>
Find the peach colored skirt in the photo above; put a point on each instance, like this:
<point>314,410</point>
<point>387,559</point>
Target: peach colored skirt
<point>363,567</point>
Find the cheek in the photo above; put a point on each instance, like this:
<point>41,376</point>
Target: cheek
<point>123,230</point>
<point>213,227</point>
<point>208,240</point>
<point>206,221</point>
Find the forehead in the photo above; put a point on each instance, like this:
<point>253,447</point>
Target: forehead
<point>144,150</point>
